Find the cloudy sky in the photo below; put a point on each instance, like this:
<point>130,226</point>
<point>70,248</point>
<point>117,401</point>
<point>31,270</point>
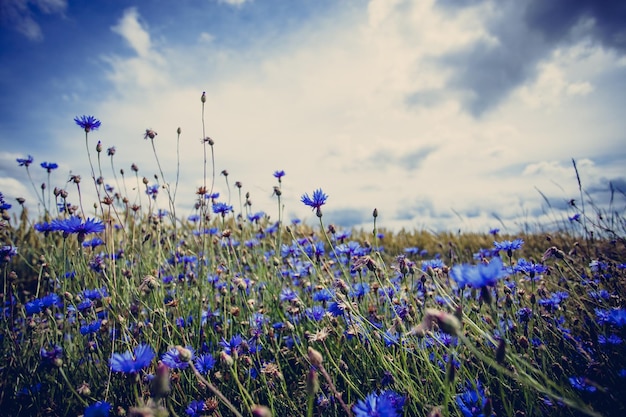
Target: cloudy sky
<point>443,114</point>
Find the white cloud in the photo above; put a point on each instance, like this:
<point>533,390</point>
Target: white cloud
<point>18,14</point>
<point>234,2</point>
<point>328,104</point>
<point>134,32</point>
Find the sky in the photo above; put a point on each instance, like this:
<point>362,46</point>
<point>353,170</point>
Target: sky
<point>444,115</point>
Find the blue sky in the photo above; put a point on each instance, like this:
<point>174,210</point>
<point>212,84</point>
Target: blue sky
<point>443,114</point>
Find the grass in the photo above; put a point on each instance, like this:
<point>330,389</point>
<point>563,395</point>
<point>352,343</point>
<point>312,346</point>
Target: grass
<point>247,316</point>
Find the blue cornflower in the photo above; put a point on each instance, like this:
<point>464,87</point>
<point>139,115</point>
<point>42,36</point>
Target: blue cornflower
<point>412,250</point>
<point>315,313</point>
<point>234,345</point>
<point>480,275</point>
<point>336,309</point>
<point>574,218</point>
<point>222,208</point>
<point>494,231</point>
<point>255,217</point>
<point>99,409</point>
<point>172,358</point>
<point>46,227</point>
<point>195,409</point>
<point>74,224</point>
<point>385,404</point>
<point>96,241</point>
<point>618,317</point>
<point>611,340</point>
<point>204,363</point>
<point>7,252</point>
<point>49,166</point>
<point>25,162</point>
<point>279,174</point>
<point>317,201</point>
<point>52,356</point>
<point>152,191</point>
<point>531,269</point>
<point>581,384</point>
<point>472,401</point>
<point>88,123</point>
<point>508,246</point>
<point>3,204</point>
<point>131,363</point>
<point>287,294</point>
<point>432,264</point>
<point>524,314</point>
<point>323,295</point>
<point>359,290</point>
<point>93,327</point>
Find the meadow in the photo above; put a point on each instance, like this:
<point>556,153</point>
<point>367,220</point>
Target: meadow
<point>124,308</point>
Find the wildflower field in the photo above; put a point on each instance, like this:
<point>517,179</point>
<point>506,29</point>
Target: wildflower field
<point>124,308</point>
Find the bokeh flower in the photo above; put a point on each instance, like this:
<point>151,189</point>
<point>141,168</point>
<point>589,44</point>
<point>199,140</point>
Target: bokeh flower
<point>25,162</point>
<point>478,276</point>
<point>99,409</point>
<point>49,166</point>
<point>222,208</point>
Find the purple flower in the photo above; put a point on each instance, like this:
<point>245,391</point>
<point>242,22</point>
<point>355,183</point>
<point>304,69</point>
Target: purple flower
<point>315,202</point>
<point>130,363</point>
<point>279,174</point>
<point>88,123</point>
<point>25,162</point>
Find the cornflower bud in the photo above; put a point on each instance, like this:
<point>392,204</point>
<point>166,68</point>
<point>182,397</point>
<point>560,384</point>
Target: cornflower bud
<point>203,97</point>
<point>315,357</point>
<point>261,411</point>
<point>99,147</point>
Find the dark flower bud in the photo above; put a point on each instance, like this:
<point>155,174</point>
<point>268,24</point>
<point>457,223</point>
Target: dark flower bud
<point>238,184</point>
<point>99,147</point>
<point>203,97</point>
<point>134,167</point>
<point>501,351</point>
<point>111,151</point>
<point>179,131</point>
<point>375,213</point>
